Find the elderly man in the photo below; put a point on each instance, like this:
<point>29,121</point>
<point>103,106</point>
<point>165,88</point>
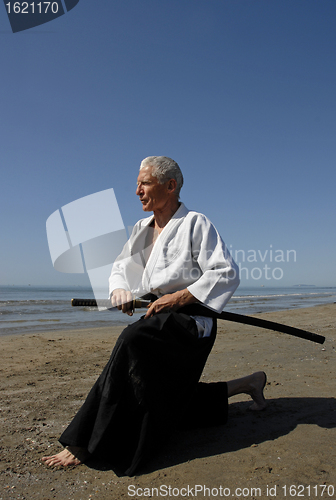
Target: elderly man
<point>151,382</point>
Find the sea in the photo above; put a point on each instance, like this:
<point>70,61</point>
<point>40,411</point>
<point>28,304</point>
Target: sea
<point>28,309</point>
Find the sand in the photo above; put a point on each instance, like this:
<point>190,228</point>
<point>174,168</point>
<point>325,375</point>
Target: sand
<point>46,376</point>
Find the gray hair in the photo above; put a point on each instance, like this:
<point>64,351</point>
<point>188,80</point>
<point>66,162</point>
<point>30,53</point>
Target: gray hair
<point>164,168</point>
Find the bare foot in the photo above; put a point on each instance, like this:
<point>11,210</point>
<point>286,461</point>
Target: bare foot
<point>70,456</point>
<point>257,391</point>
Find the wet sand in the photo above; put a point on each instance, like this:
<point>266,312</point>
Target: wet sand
<point>45,378</point>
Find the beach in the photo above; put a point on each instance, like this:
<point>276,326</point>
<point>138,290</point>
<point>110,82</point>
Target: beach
<point>45,377</point>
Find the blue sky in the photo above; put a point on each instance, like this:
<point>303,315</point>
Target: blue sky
<point>241,93</point>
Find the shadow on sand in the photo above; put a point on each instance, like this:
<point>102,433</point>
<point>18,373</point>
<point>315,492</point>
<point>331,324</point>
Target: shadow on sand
<point>243,429</point>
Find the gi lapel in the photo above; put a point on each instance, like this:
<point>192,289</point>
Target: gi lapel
<point>160,243</point>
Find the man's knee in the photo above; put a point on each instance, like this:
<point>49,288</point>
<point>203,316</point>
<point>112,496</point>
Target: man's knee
<point>130,333</point>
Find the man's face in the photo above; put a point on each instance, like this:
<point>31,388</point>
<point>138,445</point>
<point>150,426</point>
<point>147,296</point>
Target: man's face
<point>152,194</point>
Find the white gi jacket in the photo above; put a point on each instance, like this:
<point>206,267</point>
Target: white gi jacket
<point>188,253</point>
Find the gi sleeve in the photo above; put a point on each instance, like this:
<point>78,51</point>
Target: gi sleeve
<point>220,274</point>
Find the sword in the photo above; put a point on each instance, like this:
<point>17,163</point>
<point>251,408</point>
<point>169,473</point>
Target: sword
<point>199,310</point>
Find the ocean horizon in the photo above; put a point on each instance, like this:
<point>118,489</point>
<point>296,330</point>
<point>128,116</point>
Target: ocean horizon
<point>29,309</point>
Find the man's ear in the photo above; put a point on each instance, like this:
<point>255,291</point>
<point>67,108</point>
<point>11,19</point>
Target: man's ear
<point>172,184</point>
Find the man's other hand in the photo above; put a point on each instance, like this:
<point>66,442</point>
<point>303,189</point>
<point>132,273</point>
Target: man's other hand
<point>170,302</point>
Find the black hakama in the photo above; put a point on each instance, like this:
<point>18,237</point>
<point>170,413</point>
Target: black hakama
<point>149,386</point>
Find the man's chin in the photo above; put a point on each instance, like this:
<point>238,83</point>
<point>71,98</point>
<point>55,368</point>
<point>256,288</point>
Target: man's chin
<point>146,208</point>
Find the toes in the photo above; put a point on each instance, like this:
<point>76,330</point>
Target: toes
<point>48,460</point>
<point>64,459</point>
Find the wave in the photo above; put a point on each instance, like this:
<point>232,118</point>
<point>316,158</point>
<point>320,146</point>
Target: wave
<point>277,295</point>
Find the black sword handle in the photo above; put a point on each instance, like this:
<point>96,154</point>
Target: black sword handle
<point>137,303</point>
